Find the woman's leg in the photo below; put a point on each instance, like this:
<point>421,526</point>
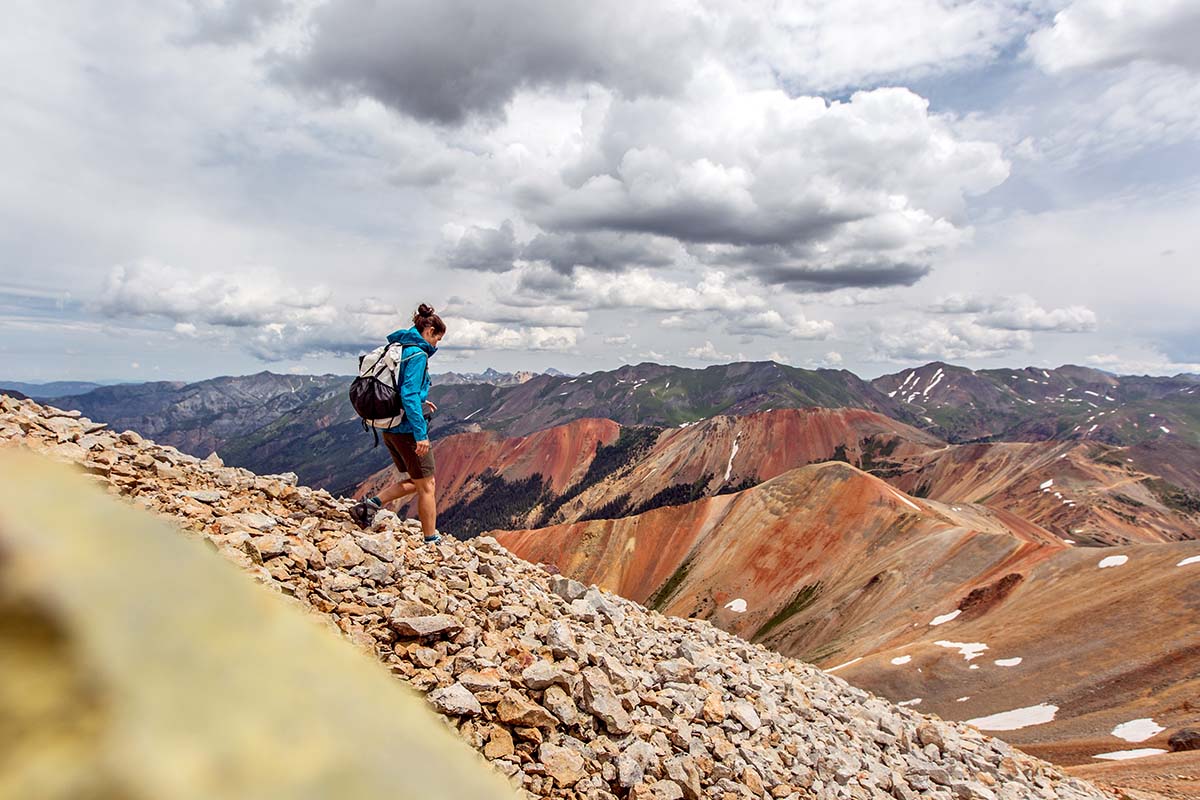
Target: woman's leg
<point>426,505</point>
<point>402,488</point>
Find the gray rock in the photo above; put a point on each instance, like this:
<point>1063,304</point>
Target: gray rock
<point>566,588</point>
<point>455,700</point>
<point>598,699</point>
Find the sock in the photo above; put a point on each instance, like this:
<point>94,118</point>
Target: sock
<point>375,500</point>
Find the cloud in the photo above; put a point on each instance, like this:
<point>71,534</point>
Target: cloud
<point>1141,363</point>
<point>485,249</point>
<point>231,21</point>
<point>617,340</point>
<point>445,61</point>
<point>1017,313</point>
<point>934,340</point>
<point>708,352</point>
<point>474,334</point>
<point>795,190</point>
<point>1111,33</point>
<point>772,323</point>
<point>588,289</point>
<point>452,61</point>
<point>246,299</point>
<point>258,312</point>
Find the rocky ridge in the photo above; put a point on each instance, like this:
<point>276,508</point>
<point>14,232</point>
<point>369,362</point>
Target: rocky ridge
<point>570,691</point>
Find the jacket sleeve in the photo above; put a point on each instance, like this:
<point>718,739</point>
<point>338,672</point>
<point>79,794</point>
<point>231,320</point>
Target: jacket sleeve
<point>410,394</point>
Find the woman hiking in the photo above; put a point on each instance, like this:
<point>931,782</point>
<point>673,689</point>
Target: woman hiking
<point>408,442</point>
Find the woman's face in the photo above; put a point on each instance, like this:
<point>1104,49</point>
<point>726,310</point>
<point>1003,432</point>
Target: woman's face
<point>431,337</point>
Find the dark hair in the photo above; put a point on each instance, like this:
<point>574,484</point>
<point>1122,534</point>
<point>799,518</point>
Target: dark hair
<point>425,318</point>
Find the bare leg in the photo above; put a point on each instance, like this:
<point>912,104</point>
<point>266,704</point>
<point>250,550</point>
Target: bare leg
<point>426,505</point>
<point>397,490</point>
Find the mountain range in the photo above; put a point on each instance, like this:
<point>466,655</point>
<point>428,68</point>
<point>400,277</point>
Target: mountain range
<point>955,540</point>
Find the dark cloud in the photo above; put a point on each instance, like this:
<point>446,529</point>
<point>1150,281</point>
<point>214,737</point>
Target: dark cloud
<point>604,251</point>
<point>485,249</point>
<point>446,60</point>
<point>859,276</point>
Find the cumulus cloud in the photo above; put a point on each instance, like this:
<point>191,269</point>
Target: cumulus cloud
<point>247,299</point>
<point>709,352</point>
<point>795,190</point>
<point>259,312</point>
<point>588,289</point>
<point>1017,313</point>
<point>933,340</point>
<point>485,249</point>
<point>772,323</point>
<point>445,61</point>
<point>1110,33</point>
<point>451,60</point>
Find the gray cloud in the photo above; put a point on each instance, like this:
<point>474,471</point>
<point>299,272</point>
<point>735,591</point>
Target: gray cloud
<point>485,249</point>
<point>448,60</point>
<point>604,251</point>
<point>231,21</point>
<point>847,276</point>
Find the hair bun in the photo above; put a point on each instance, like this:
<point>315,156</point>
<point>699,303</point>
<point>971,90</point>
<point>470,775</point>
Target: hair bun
<point>424,310</point>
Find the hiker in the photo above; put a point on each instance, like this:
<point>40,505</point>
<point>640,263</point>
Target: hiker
<point>408,441</point>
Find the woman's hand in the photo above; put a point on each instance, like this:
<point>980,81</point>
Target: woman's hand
<point>432,405</point>
<point>422,447</point>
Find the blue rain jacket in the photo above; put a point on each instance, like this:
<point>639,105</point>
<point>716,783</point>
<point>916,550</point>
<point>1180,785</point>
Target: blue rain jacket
<point>412,381</point>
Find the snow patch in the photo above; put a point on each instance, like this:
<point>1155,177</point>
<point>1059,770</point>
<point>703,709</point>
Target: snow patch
<point>1016,719</point>
<point>963,699</point>
<point>968,650</point>
<point>899,497</point>
<point>1137,730</point>
<point>946,617</point>
<point>1007,662</point>
<point>848,663</point>
<point>738,606</point>
<point>1113,561</point>
<point>898,660</point>
<point>937,378</point>
<point>1047,484</point>
<point>473,413</point>
<point>1189,560</point>
<point>1122,755</point>
<point>916,701</point>
<point>729,468</point>
<point>1164,429</point>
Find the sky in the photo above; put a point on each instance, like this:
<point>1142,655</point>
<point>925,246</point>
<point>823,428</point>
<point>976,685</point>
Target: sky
<point>196,188</point>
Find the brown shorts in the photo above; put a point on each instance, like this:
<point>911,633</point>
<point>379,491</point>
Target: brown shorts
<point>403,448</point>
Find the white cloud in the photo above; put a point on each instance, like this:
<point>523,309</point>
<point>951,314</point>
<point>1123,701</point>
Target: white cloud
<point>1141,362</point>
<point>1108,33</point>
<point>796,190</point>
<point>708,352</point>
<point>934,340</point>
<point>247,298</point>
<point>1017,313</point>
<point>771,322</point>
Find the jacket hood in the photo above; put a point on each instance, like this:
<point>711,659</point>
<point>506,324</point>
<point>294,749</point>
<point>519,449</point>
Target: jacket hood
<point>412,337</point>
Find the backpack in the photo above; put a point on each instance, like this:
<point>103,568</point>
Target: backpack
<point>373,393</point>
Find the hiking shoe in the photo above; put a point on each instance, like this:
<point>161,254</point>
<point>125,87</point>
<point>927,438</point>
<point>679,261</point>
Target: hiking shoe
<point>437,537</point>
<point>363,513</point>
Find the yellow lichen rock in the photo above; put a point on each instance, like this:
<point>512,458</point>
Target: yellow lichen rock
<point>135,663</point>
